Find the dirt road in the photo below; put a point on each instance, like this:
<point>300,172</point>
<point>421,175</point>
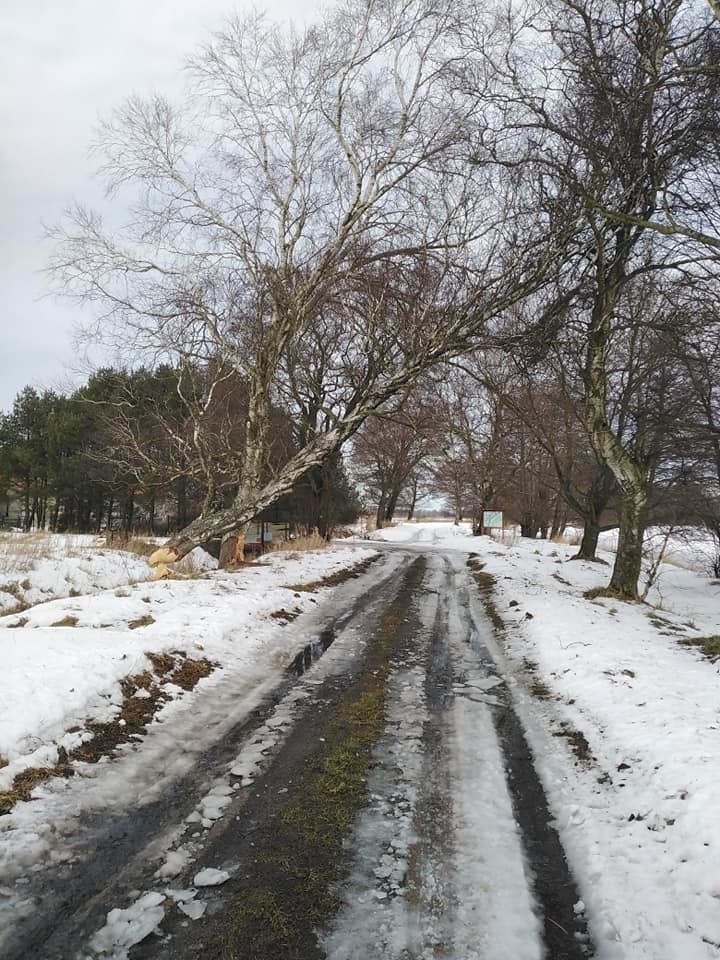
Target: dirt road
<point>381,802</point>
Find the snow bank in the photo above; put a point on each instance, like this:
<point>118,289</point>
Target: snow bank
<point>56,676</point>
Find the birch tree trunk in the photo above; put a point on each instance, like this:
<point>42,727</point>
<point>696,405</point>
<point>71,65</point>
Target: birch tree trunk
<point>630,473</point>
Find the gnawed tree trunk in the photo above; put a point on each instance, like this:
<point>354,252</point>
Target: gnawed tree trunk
<point>232,550</point>
<point>247,504</point>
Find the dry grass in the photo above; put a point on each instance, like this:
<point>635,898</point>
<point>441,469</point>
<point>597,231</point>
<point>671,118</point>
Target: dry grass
<point>136,712</point>
<point>136,545</point>
<point>143,621</point>
<point>26,781</point>
<point>20,552</point>
<point>309,541</point>
<point>709,646</point>
<point>67,621</point>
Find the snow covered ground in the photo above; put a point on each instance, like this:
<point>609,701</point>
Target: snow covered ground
<point>39,567</point>
<point>64,659</point>
<point>624,722</point>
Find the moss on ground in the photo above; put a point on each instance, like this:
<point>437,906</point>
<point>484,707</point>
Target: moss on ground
<point>275,913</point>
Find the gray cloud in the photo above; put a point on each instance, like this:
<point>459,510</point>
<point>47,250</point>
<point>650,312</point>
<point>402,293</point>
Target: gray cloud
<point>64,65</point>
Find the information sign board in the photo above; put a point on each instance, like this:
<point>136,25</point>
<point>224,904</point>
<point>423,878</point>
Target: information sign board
<point>492,519</point>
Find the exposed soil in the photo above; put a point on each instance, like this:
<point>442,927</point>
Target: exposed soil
<point>578,742</point>
<point>334,579</point>
<point>287,615</point>
<point>136,712</point>
<point>289,848</point>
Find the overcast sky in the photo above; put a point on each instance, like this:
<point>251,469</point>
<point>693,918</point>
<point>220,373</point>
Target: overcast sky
<point>62,66</point>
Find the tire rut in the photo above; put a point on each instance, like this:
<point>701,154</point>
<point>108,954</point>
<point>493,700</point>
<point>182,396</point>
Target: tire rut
<point>114,859</point>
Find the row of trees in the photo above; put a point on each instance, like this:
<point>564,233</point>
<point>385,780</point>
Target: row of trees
<point>147,450</point>
<point>337,212</point>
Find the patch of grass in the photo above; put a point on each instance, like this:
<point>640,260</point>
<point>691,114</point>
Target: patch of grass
<point>304,858</point>
<point>26,781</point>
<point>657,621</point>
<point>259,912</point>
<point>709,646</point>
<point>335,784</point>
<point>143,621</point>
<point>334,579</point>
<point>14,589</point>
<point>67,621</point>
<point>275,913</point>
<point>20,622</point>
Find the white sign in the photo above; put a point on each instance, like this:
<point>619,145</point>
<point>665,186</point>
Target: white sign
<point>492,518</point>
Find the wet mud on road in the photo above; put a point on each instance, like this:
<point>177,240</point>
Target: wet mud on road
<point>116,856</point>
<point>397,817</point>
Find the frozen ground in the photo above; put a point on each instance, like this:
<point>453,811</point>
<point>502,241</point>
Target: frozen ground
<point>63,659</point>
<point>624,721</point>
<point>636,800</point>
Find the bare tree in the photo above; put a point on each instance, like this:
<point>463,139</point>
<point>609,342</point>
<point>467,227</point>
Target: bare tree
<point>314,173</point>
<point>617,107</point>
<point>390,448</point>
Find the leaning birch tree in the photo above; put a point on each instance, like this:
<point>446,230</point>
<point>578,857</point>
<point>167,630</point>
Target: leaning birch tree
<point>310,174</point>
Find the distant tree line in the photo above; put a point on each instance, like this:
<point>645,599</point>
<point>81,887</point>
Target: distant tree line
<point>148,450</point>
